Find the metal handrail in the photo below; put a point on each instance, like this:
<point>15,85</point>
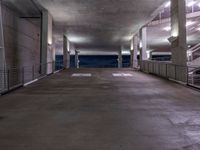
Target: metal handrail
<point>169,70</point>
<point>18,76</point>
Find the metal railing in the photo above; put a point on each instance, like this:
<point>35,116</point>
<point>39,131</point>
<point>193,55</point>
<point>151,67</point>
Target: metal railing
<point>194,76</point>
<point>185,74</point>
<point>114,65</point>
<point>13,78</point>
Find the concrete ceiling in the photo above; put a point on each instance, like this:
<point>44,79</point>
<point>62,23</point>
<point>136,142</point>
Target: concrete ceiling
<point>94,24</point>
<point>158,41</point>
<point>100,23</point>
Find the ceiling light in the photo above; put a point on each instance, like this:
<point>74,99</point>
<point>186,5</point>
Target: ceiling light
<point>191,3</point>
<point>167,4</point>
<point>189,23</point>
<point>198,29</point>
<point>167,28</point>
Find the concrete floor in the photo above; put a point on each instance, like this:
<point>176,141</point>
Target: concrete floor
<point>101,112</point>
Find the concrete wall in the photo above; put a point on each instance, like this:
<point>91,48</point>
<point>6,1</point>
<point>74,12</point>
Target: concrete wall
<point>22,46</point>
<point>22,40</point>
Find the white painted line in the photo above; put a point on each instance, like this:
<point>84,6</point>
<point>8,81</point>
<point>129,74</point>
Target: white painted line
<point>81,75</point>
<point>26,84</point>
<point>122,75</point>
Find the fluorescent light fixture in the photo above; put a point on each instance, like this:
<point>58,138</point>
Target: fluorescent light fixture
<point>168,28</point>
<point>167,4</point>
<point>125,52</point>
<point>191,3</point>
<point>189,23</point>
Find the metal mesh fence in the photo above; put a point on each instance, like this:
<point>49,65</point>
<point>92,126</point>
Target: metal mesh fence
<point>15,77</point>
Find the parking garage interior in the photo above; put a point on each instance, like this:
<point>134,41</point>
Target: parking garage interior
<point>99,74</point>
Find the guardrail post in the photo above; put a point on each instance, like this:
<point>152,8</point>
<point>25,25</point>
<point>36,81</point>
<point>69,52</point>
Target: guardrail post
<point>187,75</point>
<point>23,75</point>
<point>8,80</point>
<point>33,72</point>
<point>175,73</point>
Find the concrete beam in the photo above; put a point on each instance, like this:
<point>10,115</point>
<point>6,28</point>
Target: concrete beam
<point>178,37</point>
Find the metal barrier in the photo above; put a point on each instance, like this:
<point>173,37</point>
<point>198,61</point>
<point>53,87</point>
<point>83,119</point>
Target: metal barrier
<point>194,76</point>
<point>166,70</point>
<point>16,77</point>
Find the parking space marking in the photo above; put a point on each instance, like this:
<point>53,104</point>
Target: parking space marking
<point>81,75</point>
<point>122,75</point>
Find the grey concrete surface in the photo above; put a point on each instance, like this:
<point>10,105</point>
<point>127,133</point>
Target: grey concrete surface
<point>101,112</point>
<point>22,40</point>
<point>87,22</point>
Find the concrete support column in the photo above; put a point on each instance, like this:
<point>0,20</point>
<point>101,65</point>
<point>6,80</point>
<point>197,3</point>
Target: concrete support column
<point>143,44</point>
<point>120,58</point>
<point>46,58</point>
<point>132,58</point>
<point>3,72</point>
<point>66,52</point>
<point>134,51</point>
<point>178,38</point>
<point>77,59</point>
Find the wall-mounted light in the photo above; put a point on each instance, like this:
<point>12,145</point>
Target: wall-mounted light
<point>140,45</point>
<point>167,4</point>
<point>149,54</point>
<point>189,53</point>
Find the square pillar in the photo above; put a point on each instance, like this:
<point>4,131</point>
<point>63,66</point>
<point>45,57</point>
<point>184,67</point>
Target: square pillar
<point>66,52</point>
<point>178,38</point>
<point>134,51</point>
<point>77,59</point>
<point>120,58</point>
<point>143,44</point>
<point>46,53</point>
<point>3,72</point>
